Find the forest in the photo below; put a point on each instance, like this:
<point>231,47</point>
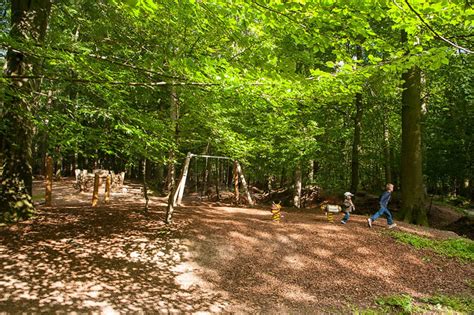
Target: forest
<point>346,95</point>
<point>342,94</point>
<point>307,95</point>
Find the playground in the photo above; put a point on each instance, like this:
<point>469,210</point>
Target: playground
<point>213,258</point>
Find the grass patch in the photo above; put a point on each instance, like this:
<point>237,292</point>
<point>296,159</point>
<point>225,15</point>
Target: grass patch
<point>462,248</point>
<point>470,283</point>
<point>458,304</point>
<point>406,304</point>
<point>402,304</point>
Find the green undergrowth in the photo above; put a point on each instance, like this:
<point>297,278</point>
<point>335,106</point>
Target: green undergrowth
<point>458,204</point>
<point>461,248</point>
<point>406,304</point>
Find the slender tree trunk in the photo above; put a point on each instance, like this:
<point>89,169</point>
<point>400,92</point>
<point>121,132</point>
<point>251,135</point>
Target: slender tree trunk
<point>217,179</point>
<point>297,193</point>
<point>174,116</point>
<point>269,183</point>
<point>182,181</point>
<point>145,184</point>
<point>236,182</point>
<point>176,193</point>
<point>205,173</point>
<point>386,150</point>
<point>28,21</point>
<point>411,180</point>
<point>244,183</point>
<point>49,182</point>
<point>356,141</point>
<point>311,171</point>
<point>108,181</point>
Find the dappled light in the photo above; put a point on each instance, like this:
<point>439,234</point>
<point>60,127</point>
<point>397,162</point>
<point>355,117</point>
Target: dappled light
<point>117,258</point>
<point>103,259</point>
<point>306,262</point>
<point>197,157</point>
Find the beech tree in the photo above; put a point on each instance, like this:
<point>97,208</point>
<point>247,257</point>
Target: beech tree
<point>276,85</point>
<point>28,27</point>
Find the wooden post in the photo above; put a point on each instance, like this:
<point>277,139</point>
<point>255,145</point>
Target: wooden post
<point>180,191</point>
<point>107,189</point>
<point>244,184</point>
<point>49,181</point>
<point>236,182</point>
<point>145,187</point>
<point>95,194</point>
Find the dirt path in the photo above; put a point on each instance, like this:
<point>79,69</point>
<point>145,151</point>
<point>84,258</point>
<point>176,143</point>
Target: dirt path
<point>214,258</point>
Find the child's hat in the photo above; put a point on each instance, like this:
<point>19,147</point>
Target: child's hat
<point>347,194</point>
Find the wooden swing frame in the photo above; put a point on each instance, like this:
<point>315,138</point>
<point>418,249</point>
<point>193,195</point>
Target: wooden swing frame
<point>237,175</point>
<point>176,196</point>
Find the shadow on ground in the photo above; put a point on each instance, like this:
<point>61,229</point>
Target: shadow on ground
<point>99,259</point>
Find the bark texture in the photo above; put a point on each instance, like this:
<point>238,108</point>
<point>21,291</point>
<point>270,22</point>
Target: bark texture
<point>28,25</point>
<point>411,180</point>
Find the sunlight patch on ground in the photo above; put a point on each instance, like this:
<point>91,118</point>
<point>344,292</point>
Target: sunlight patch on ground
<point>288,291</point>
<point>239,237</point>
<point>297,294</point>
<point>330,228</point>
<point>263,235</point>
<point>363,250</point>
<point>375,269</point>
<point>227,252</point>
<point>253,212</point>
<point>283,239</point>
<point>323,253</point>
<point>296,261</point>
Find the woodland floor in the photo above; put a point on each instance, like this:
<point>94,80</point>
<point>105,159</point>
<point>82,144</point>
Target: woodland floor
<point>215,258</point>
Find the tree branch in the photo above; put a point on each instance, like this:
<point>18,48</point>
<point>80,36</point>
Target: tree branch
<point>113,60</point>
<point>281,13</point>
<point>85,81</point>
<point>436,33</point>
<point>75,80</point>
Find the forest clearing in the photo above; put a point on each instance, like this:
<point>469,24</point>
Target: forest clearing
<point>215,258</point>
<point>236,156</point>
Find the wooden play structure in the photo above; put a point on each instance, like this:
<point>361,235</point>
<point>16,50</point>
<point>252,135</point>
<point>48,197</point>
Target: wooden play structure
<point>176,196</point>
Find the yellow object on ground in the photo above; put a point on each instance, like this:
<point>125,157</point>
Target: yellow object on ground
<point>276,212</point>
<point>330,210</point>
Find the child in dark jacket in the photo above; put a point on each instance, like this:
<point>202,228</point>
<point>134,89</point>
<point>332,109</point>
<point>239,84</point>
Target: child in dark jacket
<point>384,199</point>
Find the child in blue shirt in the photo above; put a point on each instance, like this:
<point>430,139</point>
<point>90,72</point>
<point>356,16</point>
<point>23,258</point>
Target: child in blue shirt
<point>384,199</point>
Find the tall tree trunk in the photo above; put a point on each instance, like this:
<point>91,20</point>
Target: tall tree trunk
<point>28,22</point>
<point>411,179</point>
<point>356,142</point>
